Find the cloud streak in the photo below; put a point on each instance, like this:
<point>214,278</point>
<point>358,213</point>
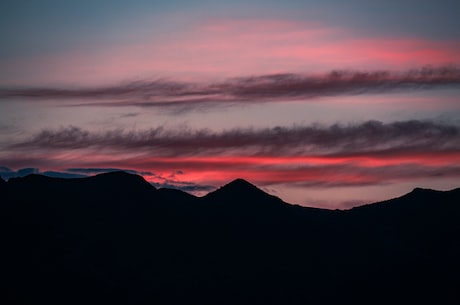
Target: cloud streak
<point>254,89</point>
<point>375,138</point>
<point>361,154</point>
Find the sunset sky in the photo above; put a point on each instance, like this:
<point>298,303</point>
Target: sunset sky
<point>328,104</point>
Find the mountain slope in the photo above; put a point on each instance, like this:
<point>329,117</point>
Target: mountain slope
<point>115,239</point>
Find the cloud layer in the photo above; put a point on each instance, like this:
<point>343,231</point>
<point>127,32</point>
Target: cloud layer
<point>367,138</point>
<point>254,89</point>
<point>368,153</point>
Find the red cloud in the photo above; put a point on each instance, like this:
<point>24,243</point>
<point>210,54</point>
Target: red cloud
<point>369,153</point>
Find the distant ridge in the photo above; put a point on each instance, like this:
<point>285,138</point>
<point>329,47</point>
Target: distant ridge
<point>417,198</point>
<point>234,192</point>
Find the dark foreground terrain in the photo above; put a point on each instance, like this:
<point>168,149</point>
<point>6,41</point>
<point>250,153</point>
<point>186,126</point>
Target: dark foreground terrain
<point>115,239</point>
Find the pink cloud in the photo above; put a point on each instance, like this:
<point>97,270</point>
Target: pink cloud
<point>301,171</point>
<point>226,48</point>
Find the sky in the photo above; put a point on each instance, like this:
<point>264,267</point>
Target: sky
<point>329,104</point>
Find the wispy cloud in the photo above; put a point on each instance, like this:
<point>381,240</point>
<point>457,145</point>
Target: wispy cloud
<point>7,173</point>
<point>363,139</point>
<point>254,89</point>
<point>368,153</point>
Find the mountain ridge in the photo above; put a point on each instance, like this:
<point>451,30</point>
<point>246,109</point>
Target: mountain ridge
<point>233,190</point>
<point>114,238</point>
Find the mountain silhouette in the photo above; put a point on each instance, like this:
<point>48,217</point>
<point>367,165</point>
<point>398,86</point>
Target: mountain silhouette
<point>240,195</point>
<point>114,238</point>
<point>240,190</point>
<point>238,187</point>
<point>109,183</point>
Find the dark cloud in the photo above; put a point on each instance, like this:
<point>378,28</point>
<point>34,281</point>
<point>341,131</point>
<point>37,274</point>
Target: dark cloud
<point>4,169</point>
<point>7,173</point>
<point>367,153</point>
<point>27,171</point>
<point>339,140</point>
<point>185,186</point>
<point>256,89</point>
<point>15,159</point>
<point>142,89</point>
<point>130,115</point>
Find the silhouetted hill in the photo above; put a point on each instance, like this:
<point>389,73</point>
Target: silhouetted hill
<point>119,179</point>
<point>100,189</point>
<point>242,199</point>
<point>237,189</point>
<point>115,239</point>
<point>240,191</point>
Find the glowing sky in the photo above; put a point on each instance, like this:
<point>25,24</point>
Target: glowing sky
<point>322,103</point>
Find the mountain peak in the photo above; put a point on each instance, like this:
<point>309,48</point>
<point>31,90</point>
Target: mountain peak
<point>240,183</point>
<point>240,191</point>
<point>240,186</point>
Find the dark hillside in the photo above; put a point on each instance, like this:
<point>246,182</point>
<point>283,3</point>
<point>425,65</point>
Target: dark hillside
<point>115,239</point>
